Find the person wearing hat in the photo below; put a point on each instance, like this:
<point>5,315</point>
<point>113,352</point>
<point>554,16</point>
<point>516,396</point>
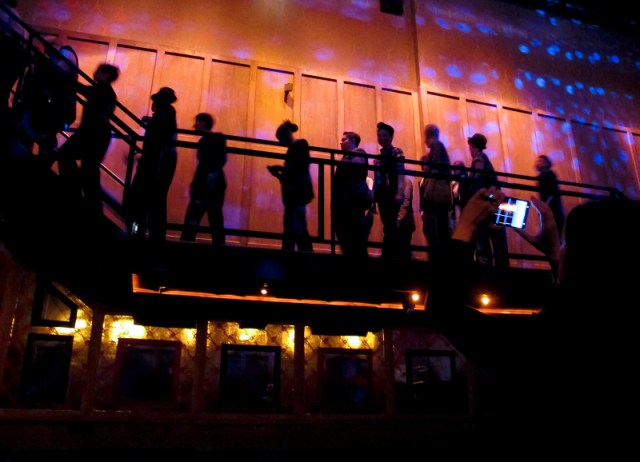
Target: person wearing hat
<point>490,241</point>
<point>297,188</point>
<point>156,167</point>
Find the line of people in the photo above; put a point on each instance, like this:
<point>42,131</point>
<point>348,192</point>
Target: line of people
<point>48,106</point>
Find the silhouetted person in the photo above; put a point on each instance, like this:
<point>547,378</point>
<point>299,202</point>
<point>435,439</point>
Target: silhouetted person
<point>569,366</point>
<point>297,189</point>
<point>491,240</point>
<point>15,56</point>
<point>156,167</point>
<point>90,142</point>
<point>49,101</point>
<point>549,189</point>
<point>388,189</point>
<point>435,193</point>
<point>209,183</point>
<point>351,198</point>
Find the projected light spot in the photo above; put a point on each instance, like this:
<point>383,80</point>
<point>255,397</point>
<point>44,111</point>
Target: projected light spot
<point>541,82</point>
<point>598,159</point>
<point>569,89</point>
<point>553,50</point>
<point>463,28</point>
<point>518,84</point>
<point>454,71</point>
<point>568,55</point>
<point>443,24</point>
<point>524,49</point>
<point>485,29</point>
<point>478,78</point>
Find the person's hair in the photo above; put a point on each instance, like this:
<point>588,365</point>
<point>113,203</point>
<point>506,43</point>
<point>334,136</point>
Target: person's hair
<point>547,159</point>
<point>386,127</point>
<point>353,136</point>
<point>112,72</point>
<point>431,131</point>
<point>207,119</point>
<point>285,129</point>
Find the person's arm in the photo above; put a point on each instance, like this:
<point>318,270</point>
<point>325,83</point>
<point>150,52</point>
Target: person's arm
<point>407,199</point>
<point>546,239</point>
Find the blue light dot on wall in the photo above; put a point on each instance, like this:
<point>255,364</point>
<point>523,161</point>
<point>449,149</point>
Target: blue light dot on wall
<point>623,156</point>
<point>592,90</point>
<point>478,78</point>
<point>569,89</point>
<point>578,54</point>
<point>569,56</point>
<point>462,27</point>
<point>541,82</point>
<point>420,21</point>
<point>614,59</point>
<point>579,85</point>
<point>629,97</point>
<point>560,110</point>
<point>598,159</point>
<point>552,50</point>
<point>541,12</point>
<point>443,24</point>
<point>518,84</point>
<point>553,21</point>
<point>555,81</point>
<point>524,49</point>
<point>528,75</point>
<point>600,91</point>
<point>485,29</point>
<point>454,71</point>
<point>536,43</point>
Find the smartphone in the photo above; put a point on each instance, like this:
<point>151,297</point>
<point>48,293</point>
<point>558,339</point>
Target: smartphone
<point>513,212</point>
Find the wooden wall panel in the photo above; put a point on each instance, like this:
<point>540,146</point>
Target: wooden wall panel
<point>360,114</point>
<point>398,111</point>
<point>446,112</point>
<point>265,207</point>
<point>591,164</point>
<point>521,152</point>
<point>483,118</point>
<point>228,101</point>
<point>185,75</point>
<point>319,126</point>
<point>617,154</point>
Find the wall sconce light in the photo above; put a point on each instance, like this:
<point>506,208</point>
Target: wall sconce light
<point>264,290</point>
<point>410,299</point>
<point>485,299</point>
<point>288,88</point>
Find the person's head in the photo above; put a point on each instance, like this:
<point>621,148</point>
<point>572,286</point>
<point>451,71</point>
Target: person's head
<point>431,133</point>
<point>385,134</point>
<point>543,163</point>
<point>349,141</point>
<point>164,96</point>
<point>601,246</point>
<point>477,143</point>
<point>204,122</point>
<point>106,73</point>
<point>66,60</point>
<point>285,131</point>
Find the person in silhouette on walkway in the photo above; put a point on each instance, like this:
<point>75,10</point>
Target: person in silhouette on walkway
<point>209,183</point>
<point>388,189</point>
<point>156,168</point>
<point>351,198</point>
<point>549,189</point>
<point>90,142</point>
<point>297,188</point>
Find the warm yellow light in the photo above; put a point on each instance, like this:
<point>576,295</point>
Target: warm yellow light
<point>415,296</point>
<point>125,328</point>
<point>485,299</point>
<point>353,341</point>
<point>81,323</point>
<point>265,289</point>
<point>246,334</point>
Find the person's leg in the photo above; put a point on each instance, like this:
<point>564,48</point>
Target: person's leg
<point>288,237</point>
<point>216,217</point>
<point>195,212</point>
